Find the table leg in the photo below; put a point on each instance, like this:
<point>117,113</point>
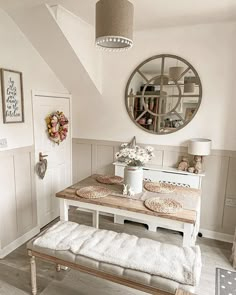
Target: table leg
<point>152,227</point>
<point>96,219</point>
<point>64,217</point>
<point>187,238</point>
<point>63,210</point>
<point>119,219</point>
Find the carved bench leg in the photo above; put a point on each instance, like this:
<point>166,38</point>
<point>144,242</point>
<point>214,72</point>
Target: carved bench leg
<point>33,275</point>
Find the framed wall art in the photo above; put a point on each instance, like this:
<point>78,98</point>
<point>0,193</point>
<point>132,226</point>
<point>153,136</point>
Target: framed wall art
<point>12,96</point>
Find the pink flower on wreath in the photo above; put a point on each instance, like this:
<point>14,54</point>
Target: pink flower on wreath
<point>57,125</point>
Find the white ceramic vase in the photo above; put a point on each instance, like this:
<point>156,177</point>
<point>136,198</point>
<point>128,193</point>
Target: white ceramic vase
<point>133,176</point>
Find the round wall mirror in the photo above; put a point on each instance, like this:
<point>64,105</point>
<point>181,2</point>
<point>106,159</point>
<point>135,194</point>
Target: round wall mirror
<point>163,94</point>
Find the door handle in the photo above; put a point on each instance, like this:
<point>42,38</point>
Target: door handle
<point>41,157</point>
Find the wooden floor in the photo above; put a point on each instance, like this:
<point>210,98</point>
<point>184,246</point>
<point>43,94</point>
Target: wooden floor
<point>15,275</point>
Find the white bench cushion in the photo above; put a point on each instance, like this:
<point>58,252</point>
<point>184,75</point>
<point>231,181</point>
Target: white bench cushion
<point>38,245</point>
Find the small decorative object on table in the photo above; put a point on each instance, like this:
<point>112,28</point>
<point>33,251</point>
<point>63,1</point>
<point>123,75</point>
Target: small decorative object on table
<point>93,192</point>
<point>131,192</point>
<point>184,164</point>
<point>57,125</point>
<point>135,157</point>
<point>127,190</point>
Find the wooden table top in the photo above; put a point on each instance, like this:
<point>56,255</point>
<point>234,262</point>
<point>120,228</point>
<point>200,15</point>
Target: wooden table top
<point>123,203</point>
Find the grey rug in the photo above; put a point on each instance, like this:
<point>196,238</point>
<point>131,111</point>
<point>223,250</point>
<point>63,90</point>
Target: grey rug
<point>225,282</point>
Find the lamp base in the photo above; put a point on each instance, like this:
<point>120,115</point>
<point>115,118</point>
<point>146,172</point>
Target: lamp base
<point>197,165</point>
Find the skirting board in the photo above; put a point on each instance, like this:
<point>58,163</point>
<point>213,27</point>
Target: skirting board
<point>18,242</point>
<point>217,236</point>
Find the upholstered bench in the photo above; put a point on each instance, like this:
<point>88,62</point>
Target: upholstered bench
<point>41,247</point>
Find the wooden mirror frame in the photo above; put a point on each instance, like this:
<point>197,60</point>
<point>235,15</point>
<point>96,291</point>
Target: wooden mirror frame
<point>162,74</point>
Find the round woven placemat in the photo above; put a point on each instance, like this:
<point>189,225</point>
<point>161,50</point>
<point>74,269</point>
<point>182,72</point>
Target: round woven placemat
<point>107,179</point>
<point>166,206</point>
<point>158,187</point>
<point>93,192</point>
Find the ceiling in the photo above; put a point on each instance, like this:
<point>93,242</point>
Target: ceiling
<point>148,13</point>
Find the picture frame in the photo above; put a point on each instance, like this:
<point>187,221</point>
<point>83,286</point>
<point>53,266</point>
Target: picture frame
<point>12,96</point>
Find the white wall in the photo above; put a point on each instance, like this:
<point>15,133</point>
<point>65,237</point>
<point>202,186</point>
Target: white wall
<point>17,53</point>
<point>81,36</point>
<point>210,49</point>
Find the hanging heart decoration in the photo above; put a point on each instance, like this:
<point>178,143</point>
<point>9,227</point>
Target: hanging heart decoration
<point>41,168</point>
<point>57,125</point>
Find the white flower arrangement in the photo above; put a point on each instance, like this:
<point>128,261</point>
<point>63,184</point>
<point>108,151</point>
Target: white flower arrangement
<point>134,156</point>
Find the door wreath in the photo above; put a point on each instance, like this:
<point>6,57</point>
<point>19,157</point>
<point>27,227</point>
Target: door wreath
<point>57,125</point>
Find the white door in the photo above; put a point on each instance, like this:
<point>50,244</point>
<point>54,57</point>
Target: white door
<point>58,175</point>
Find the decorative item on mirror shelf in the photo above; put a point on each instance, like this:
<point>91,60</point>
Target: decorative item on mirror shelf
<point>197,164</point>
<point>134,157</point>
<point>184,164</point>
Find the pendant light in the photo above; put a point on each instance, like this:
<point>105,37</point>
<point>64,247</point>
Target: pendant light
<point>163,79</point>
<point>114,24</point>
<point>189,83</point>
<point>175,73</point>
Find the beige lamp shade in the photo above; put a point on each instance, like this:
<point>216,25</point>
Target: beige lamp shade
<point>175,73</point>
<point>114,24</point>
<point>199,146</point>
<point>189,87</point>
<point>165,80</point>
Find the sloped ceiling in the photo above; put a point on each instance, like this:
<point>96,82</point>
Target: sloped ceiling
<point>41,28</point>
<point>148,13</point>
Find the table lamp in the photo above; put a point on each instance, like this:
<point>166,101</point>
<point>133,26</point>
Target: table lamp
<point>199,147</point>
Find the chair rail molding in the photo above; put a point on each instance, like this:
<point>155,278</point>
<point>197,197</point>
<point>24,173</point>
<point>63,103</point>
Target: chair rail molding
<point>218,217</point>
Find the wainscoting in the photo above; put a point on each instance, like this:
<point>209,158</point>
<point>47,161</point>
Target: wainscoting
<point>218,213</point>
<point>18,216</point>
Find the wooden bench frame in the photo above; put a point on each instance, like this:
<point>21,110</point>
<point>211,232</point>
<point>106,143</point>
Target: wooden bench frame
<point>93,272</point>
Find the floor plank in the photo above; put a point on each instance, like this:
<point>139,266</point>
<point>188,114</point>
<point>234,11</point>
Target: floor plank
<point>15,268</point>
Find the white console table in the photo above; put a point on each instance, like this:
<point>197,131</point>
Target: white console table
<point>164,174</point>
